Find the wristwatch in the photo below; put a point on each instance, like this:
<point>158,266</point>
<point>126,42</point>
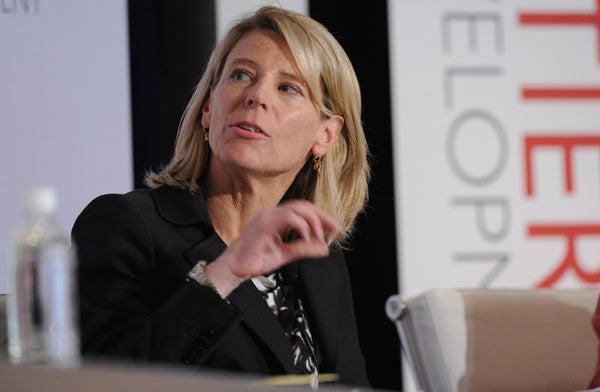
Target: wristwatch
<point>197,273</point>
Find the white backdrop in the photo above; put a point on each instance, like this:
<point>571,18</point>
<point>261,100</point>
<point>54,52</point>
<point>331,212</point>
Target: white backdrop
<point>496,144</point>
<point>496,132</point>
<point>64,105</point>
<point>228,10</point>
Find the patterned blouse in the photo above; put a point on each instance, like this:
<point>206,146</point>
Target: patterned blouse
<point>290,312</point>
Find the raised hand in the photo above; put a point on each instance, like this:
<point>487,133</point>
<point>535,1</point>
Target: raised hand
<point>261,248</point>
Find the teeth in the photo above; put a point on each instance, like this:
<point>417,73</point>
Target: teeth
<point>248,128</point>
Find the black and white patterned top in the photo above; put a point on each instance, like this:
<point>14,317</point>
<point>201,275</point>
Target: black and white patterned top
<point>289,310</point>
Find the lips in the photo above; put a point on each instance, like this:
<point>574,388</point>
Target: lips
<point>250,128</point>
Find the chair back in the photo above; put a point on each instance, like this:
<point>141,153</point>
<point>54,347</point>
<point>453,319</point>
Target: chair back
<point>471,340</point>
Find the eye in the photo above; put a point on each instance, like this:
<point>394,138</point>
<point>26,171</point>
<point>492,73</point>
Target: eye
<point>238,74</point>
<point>289,89</point>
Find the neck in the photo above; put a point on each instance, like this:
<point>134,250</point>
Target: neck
<point>232,204</point>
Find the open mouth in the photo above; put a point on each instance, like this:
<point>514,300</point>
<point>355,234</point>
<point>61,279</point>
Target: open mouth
<point>249,128</point>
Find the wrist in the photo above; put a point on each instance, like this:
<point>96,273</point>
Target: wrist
<point>198,273</point>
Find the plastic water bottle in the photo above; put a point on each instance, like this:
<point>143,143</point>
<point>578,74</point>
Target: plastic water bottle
<point>41,308</point>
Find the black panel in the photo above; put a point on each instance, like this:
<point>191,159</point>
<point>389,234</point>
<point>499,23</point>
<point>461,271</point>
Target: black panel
<point>170,41</point>
<point>362,31</point>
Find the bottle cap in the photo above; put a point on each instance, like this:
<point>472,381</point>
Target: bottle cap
<point>40,200</point>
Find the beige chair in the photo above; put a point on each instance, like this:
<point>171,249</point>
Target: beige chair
<point>487,340</point>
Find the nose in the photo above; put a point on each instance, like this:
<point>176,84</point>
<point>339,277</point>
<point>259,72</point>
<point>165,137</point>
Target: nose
<point>258,95</point>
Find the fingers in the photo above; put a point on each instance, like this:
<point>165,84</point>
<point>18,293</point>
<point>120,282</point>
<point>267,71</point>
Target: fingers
<point>309,221</point>
<point>260,248</point>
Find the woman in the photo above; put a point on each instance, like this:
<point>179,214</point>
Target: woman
<point>231,259</point>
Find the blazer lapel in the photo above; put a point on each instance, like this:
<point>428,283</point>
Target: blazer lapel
<point>258,317</point>
<point>189,217</point>
<point>181,207</point>
<point>319,280</point>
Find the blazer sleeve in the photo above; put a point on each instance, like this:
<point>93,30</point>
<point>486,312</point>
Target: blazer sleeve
<point>122,311</point>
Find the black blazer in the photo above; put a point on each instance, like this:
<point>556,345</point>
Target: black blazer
<point>134,252</point>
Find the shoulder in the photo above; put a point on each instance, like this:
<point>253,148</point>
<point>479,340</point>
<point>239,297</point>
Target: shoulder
<point>118,202</point>
<point>140,197</point>
<point>173,205</point>
<point>330,271</point>
<point>338,260</point>
<point>109,210</point>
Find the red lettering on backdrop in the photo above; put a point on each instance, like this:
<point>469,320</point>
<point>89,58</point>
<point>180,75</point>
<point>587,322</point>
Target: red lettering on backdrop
<point>560,93</point>
<point>567,143</point>
<point>566,19</point>
<point>570,232</point>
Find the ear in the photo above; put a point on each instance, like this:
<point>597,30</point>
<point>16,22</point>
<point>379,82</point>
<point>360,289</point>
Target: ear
<point>206,112</point>
<point>326,139</point>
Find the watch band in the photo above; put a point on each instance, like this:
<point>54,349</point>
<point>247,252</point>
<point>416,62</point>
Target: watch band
<point>197,273</point>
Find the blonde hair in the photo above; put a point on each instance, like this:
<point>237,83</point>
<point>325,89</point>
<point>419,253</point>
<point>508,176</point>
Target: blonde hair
<point>341,186</point>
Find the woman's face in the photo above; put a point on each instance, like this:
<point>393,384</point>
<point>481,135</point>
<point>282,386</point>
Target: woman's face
<point>260,114</point>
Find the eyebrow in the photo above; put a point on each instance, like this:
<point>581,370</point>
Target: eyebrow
<point>252,63</point>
